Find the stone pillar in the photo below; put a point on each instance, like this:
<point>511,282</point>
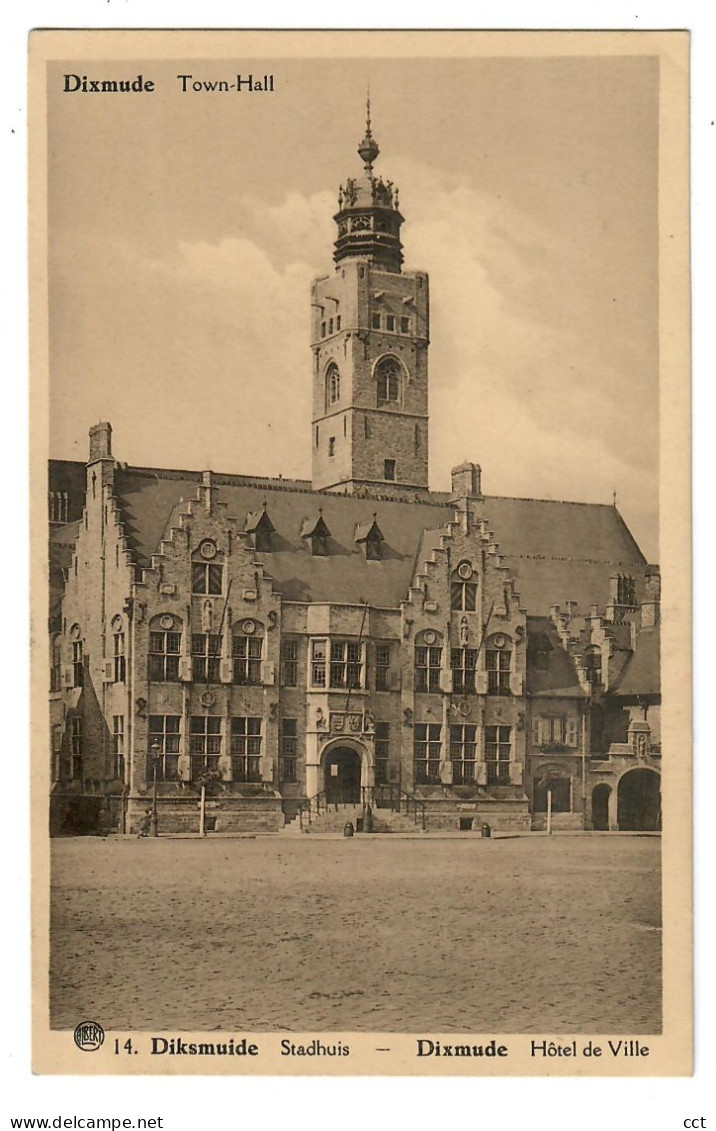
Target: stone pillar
<point>313,764</point>
<point>612,809</point>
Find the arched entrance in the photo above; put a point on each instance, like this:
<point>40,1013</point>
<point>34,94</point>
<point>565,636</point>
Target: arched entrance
<point>600,807</point>
<point>639,801</point>
<point>342,775</point>
<point>554,780</point>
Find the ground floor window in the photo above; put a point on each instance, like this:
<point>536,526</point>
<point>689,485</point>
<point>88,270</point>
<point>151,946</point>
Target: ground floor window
<point>164,747</point>
<point>288,760</point>
<point>497,754</point>
<point>426,753</point>
<point>382,752</point>
<point>462,753</point>
<point>246,749</point>
<point>204,745</point>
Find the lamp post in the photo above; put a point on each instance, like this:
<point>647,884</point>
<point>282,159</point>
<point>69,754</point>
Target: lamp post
<point>154,824</point>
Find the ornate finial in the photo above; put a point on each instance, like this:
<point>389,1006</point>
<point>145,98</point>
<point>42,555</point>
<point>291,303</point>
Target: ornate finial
<point>368,149</point>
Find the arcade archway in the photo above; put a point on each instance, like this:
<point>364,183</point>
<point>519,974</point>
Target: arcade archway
<point>639,801</point>
<point>600,807</point>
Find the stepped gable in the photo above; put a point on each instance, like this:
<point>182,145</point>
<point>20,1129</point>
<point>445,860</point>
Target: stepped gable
<point>344,575</point>
<point>551,670</point>
<point>556,550</point>
<point>642,671</point>
<point>561,550</point>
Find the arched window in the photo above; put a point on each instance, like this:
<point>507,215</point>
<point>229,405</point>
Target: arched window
<point>333,385</point>
<point>387,376</point>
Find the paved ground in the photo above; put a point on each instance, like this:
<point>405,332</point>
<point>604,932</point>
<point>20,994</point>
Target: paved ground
<point>534,934</point>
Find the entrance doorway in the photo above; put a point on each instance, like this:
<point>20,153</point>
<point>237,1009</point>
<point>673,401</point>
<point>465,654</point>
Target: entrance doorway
<point>600,807</point>
<point>639,801</point>
<point>342,776</point>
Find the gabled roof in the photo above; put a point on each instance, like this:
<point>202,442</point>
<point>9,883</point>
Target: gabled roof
<point>558,551</point>
<point>368,531</point>
<point>315,527</point>
<point>258,520</point>
<point>558,677</point>
<point>641,675</point>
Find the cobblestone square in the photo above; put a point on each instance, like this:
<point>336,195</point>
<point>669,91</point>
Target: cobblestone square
<point>426,935</point>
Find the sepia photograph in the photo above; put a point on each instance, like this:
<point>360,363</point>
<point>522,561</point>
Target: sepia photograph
<point>349,396</point>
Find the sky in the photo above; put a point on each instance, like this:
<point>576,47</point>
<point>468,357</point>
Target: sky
<point>185,229</point>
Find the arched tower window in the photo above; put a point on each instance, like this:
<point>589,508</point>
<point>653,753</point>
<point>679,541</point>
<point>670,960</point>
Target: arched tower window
<point>333,385</point>
<point>387,376</point>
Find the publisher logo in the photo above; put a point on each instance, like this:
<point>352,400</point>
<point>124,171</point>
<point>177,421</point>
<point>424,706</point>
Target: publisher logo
<point>89,1036</point>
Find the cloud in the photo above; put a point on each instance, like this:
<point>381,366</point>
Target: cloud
<point>200,354</point>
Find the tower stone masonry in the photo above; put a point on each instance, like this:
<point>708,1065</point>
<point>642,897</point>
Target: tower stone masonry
<point>370,327</point>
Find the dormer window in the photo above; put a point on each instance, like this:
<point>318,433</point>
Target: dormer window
<point>317,533</point>
<point>369,536</point>
<point>593,665</point>
<point>261,527</point>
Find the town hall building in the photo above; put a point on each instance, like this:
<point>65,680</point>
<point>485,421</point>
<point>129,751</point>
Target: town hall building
<point>239,653</point>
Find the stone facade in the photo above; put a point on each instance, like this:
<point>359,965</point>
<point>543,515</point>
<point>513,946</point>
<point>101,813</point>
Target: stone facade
<point>250,653</point>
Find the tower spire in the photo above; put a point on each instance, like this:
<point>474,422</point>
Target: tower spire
<point>368,149</point>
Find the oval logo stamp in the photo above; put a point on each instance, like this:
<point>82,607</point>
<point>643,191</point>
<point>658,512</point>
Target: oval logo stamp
<point>89,1036</point>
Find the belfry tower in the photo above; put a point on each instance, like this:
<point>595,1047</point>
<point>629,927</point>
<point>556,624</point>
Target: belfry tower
<point>369,337</point>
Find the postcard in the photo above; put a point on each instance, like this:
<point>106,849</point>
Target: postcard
<point>361,584</point>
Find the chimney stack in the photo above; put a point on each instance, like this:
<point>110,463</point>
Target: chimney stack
<point>466,481</point>
<point>100,441</point>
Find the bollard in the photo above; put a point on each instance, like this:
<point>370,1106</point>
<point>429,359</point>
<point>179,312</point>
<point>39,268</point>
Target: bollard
<point>486,830</point>
<point>348,829</point>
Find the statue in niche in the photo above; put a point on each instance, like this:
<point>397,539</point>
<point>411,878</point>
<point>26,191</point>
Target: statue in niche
<point>641,747</point>
<point>464,633</point>
<point>320,719</point>
<point>207,616</point>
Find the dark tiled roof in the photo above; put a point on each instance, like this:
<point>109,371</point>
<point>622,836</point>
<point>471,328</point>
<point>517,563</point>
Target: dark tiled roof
<point>558,551</point>
<point>62,541</point>
<point>344,575</point>
<point>555,676</point>
<point>642,672</point>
